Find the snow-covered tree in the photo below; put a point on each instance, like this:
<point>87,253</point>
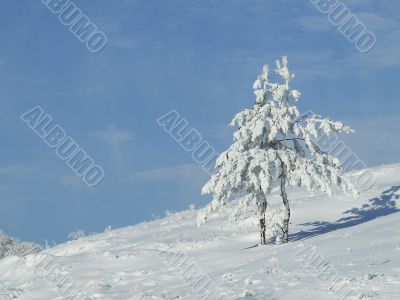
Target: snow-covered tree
<point>274,147</point>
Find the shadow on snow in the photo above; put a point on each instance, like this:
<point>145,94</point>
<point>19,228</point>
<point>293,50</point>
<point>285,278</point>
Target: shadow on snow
<point>380,206</point>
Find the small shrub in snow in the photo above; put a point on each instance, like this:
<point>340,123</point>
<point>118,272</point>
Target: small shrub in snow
<point>169,213</point>
<point>228,276</point>
<point>10,246</point>
<point>76,235</point>
<point>248,293</point>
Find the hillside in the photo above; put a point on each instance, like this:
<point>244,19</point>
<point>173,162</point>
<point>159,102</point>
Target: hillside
<point>353,245</point>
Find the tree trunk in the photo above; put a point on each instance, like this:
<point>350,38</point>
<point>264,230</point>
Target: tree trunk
<point>286,203</point>
<point>262,208</point>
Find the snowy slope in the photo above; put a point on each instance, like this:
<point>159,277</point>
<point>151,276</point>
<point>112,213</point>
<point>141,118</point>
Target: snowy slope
<point>355,243</point>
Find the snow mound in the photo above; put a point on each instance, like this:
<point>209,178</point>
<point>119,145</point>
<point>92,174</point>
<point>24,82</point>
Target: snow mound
<point>339,248</point>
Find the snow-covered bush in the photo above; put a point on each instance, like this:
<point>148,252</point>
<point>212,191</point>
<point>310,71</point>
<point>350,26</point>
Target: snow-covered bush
<point>76,235</point>
<point>273,147</point>
<point>10,246</point>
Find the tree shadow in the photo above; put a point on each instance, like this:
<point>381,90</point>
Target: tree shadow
<point>380,206</point>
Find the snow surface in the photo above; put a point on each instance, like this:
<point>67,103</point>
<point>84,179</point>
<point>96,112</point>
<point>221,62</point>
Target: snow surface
<point>359,239</point>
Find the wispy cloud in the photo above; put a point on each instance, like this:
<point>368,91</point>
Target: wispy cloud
<point>386,52</point>
<point>13,174</point>
<point>385,25</point>
<point>172,173</point>
<point>71,181</point>
<point>187,179</point>
<point>14,170</point>
<point>112,135</point>
<point>360,3</point>
<point>186,172</point>
<point>123,42</point>
<point>114,138</point>
<point>314,23</point>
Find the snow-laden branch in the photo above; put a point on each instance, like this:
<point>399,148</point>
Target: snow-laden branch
<point>260,158</point>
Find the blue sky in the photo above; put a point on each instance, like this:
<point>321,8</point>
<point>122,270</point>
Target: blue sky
<point>199,58</point>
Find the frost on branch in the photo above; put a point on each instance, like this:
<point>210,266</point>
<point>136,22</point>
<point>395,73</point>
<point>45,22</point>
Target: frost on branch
<point>271,146</point>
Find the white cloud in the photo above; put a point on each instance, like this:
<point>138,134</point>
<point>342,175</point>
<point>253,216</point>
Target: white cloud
<point>72,180</point>
<point>180,172</point>
<point>14,170</point>
<point>112,135</point>
<point>377,18</point>
<point>386,52</point>
<point>314,23</point>
<point>123,42</point>
<point>359,3</point>
<point>188,179</point>
<point>376,22</point>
